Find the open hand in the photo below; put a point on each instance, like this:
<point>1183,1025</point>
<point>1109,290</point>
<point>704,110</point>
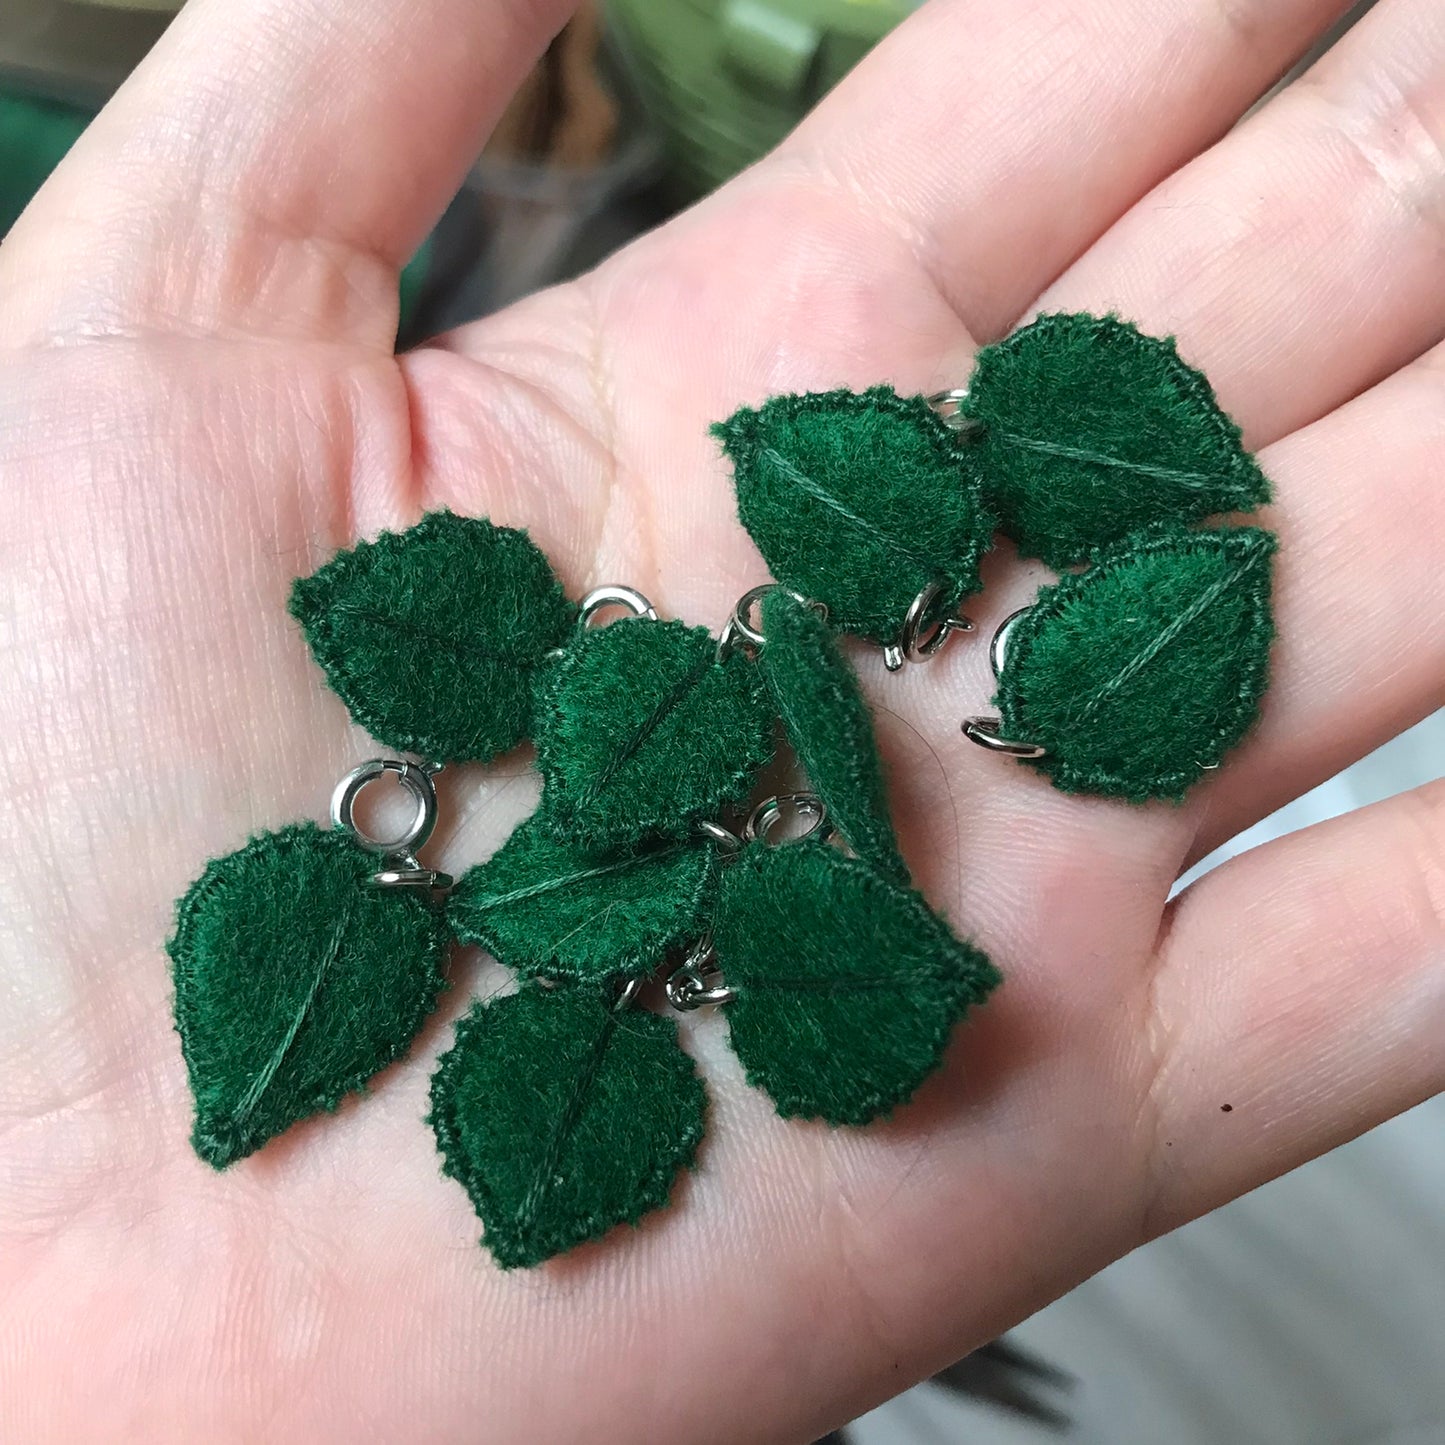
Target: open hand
<point>199,400</point>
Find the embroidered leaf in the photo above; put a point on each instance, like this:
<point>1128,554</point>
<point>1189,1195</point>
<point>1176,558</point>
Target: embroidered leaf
<point>1092,430</point>
<point>1141,672</point>
<point>859,500</point>
<point>829,726</point>
<point>642,732</point>
<point>847,985</point>
<point>296,981</point>
<point>431,637</point>
<point>545,907</point>
<point>562,1117</point>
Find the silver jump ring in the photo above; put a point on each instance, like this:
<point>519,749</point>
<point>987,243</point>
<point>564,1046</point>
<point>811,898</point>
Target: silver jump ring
<point>687,985</point>
<point>922,634</point>
<point>998,648</point>
<point>740,625</point>
<point>985,732</point>
<point>742,612</point>
<point>627,994</point>
<point>404,870</point>
<point>728,843</point>
<point>601,599</point>
<point>916,639</point>
<point>949,407</point>
<point>772,811</point>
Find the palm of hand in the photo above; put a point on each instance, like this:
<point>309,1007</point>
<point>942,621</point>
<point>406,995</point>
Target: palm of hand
<point>179,470</point>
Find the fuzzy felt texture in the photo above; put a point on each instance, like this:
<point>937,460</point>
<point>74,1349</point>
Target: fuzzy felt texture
<point>1144,670</point>
<point>829,726</point>
<point>544,907</point>
<point>563,1116</point>
<point>641,732</point>
<point>859,500</point>
<point>432,636</point>
<point>847,985</point>
<point>1092,430</point>
<point>296,980</point>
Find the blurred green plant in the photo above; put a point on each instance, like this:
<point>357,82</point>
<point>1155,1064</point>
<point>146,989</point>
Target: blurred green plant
<point>724,80</point>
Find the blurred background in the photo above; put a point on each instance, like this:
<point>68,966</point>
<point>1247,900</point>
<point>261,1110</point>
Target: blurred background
<point>1311,1312</point>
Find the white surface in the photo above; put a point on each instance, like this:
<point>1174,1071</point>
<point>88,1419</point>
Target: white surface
<point>1311,1312</point>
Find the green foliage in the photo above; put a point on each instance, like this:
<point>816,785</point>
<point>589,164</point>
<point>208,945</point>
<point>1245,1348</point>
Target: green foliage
<point>544,907</point>
<point>641,732</point>
<point>296,981</point>
<point>432,636</point>
<point>1143,671</point>
<point>859,500</point>
<point>847,984</point>
<point>829,726</point>
<point>563,1116</point>
<point>1091,430</point>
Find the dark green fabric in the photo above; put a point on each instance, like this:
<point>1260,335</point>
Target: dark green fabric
<point>1092,430</point>
<point>829,726</point>
<point>847,985</point>
<point>544,907</point>
<point>296,981</point>
<point>641,732</point>
<point>1143,671</point>
<point>432,636</point>
<point>562,1117</point>
<point>859,501</point>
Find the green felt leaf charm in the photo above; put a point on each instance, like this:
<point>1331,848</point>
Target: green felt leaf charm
<point>642,732</point>
<point>846,984</point>
<point>1090,430</point>
<point>829,726</point>
<point>562,1116</point>
<point>544,907</point>
<point>296,980</point>
<point>859,500</point>
<point>1141,672</point>
<point>432,636</point>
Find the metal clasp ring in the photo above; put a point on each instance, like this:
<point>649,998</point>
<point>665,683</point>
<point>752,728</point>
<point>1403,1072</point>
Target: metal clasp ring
<point>403,870</point>
<point>727,843</point>
<point>949,407</point>
<point>922,634</point>
<point>777,809</point>
<point>614,594</point>
<point>627,992</point>
<point>696,982</point>
<point>740,624</point>
<point>985,732</point>
<point>998,648</point>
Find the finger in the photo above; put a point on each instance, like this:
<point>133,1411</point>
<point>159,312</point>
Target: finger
<point>1298,260</point>
<point>270,166</point>
<point>997,139</point>
<point>1360,597</point>
<point>1300,999</point>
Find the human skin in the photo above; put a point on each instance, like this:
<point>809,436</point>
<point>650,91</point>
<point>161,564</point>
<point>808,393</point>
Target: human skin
<point>199,400</point>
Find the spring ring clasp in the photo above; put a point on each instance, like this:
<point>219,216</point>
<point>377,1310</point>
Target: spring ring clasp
<point>784,807</point>
<point>400,866</point>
